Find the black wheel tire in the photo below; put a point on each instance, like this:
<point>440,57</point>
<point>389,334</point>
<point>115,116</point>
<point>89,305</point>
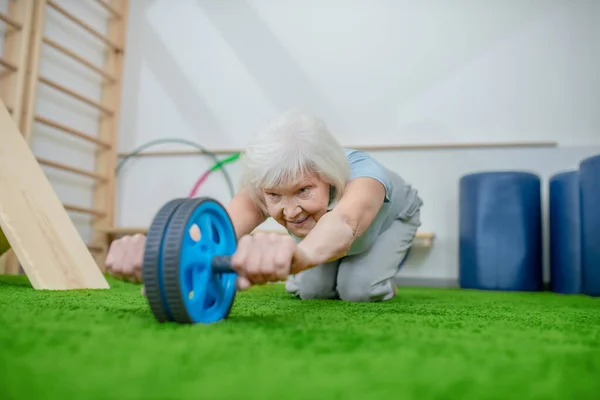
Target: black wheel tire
<point>152,262</point>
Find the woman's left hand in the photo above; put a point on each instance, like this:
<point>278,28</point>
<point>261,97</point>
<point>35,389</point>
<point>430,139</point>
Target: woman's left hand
<point>266,257</point>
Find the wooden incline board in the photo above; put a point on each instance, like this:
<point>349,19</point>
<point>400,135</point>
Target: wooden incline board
<point>41,233</point>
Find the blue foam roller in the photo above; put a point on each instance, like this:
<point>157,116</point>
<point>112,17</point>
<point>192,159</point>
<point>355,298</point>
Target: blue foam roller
<point>589,175</point>
<point>500,228</point>
<point>565,233</point>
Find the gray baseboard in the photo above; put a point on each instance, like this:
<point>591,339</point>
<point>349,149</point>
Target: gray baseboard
<point>426,282</point>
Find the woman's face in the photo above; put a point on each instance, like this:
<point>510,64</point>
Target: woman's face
<point>298,205</point>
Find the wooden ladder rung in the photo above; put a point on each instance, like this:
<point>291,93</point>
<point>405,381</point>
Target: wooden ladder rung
<point>425,238</point>
<point>108,8</point>
<point>84,210</point>
<point>74,94</point>
<point>78,58</point>
<point>74,170</point>
<point>95,248</point>
<point>11,22</point>
<point>425,235</point>
<point>83,25</point>
<point>8,65</point>
<point>71,131</point>
<point>123,230</point>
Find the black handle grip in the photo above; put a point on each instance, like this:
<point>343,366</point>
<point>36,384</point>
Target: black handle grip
<point>221,264</point>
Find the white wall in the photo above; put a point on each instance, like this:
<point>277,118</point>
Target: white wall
<point>379,72</point>
<point>55,145</point>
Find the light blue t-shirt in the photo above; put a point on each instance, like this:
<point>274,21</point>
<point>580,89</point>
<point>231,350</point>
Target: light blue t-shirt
<point>401,199</point>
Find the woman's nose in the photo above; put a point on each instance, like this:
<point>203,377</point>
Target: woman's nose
<point>291,210</point>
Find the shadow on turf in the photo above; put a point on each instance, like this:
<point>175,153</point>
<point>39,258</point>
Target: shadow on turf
<point>20,281</point>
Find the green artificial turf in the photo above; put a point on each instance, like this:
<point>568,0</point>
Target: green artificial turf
<point>425,344</point>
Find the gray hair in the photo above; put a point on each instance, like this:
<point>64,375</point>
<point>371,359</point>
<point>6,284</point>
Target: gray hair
<point>289,146</point>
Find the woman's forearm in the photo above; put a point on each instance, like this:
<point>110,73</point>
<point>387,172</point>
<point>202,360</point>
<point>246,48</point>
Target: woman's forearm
<point>329,240</point>
<point>333,235</point>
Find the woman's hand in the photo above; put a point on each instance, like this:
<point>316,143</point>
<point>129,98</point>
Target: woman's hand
<point>124,258</point>
<point>267,257</point>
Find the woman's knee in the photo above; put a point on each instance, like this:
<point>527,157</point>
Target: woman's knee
<point>307,292</point>
<point>360,290</point>
<point>310,289</point>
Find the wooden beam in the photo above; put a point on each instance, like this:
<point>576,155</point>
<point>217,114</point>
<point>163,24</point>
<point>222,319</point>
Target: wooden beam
<point>12,85</point>
<point>33,66</point>
<point>425,239</point>
<point>40,232</point>
<point>123,231</point>
<point>106,159</point>
<point>391,147</point>
<point>14,57</point>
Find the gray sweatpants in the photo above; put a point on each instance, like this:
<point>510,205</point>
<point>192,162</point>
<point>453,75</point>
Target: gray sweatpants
<point>362,277</point>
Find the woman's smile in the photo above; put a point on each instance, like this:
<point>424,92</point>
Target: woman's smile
<point>299,222</point>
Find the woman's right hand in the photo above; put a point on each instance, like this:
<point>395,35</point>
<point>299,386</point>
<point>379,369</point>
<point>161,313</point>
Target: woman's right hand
<point>125,257</point>
<point>267,257</point>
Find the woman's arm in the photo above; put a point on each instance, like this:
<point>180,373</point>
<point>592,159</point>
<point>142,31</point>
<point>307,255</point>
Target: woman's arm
<point>335,232</point>
<point>125,255</point>
<point>244,215</point>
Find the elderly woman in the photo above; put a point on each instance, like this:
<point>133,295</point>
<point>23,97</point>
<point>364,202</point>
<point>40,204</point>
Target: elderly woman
<point>350,220</point>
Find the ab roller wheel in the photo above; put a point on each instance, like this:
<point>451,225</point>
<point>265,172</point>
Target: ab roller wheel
<point>186,268</point>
